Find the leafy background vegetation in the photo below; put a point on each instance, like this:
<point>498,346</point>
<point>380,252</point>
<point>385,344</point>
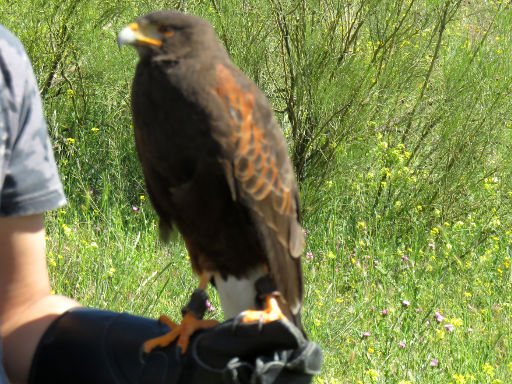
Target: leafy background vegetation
<point>398,118</point>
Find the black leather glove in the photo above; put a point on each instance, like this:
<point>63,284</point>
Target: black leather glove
<point>93,346</point>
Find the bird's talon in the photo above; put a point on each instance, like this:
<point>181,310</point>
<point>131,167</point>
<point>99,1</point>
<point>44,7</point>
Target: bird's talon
<point>236,321</point>
<point>163,319</point>
<point>142,354</point>
<point>260,324</point>
<point>239,320</point>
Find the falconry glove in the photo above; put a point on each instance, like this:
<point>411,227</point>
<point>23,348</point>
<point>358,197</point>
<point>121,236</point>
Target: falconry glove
<point>94,346</point>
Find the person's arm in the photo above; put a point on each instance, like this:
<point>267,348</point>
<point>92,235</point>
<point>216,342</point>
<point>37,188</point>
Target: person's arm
<point>26,305</point>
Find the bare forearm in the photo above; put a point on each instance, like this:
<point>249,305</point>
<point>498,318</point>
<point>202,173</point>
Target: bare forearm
<point>26,305</point>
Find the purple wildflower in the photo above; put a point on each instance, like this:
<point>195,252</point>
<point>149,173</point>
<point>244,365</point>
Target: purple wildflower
<point>434,363</point>
<point>439,317</point>
<point>384,312</point>
<point>405,303</point>
<point>210,307</point>
<point>366,335</point>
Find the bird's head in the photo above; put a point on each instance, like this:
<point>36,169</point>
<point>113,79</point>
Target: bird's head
<point>168,33</point>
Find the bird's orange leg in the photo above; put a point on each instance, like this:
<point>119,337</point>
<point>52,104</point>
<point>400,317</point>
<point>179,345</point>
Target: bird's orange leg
<point>189,324</point>
<point>270,312</point>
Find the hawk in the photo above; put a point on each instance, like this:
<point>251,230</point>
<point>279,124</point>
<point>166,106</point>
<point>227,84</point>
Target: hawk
<point>216,167</point>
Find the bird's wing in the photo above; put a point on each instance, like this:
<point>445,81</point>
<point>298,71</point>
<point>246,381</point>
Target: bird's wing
<point>260,174</point>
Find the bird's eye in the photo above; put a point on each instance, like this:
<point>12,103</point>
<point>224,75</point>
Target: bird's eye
<point>166,30</point>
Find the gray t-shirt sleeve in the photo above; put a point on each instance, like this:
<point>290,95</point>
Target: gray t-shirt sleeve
<point>29,182</point>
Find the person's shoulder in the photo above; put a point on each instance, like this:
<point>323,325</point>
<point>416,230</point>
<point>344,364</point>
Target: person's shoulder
<point>9,40</point>
<point>13,56</point>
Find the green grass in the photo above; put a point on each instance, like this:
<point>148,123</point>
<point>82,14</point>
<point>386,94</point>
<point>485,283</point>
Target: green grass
<point>397,115</point>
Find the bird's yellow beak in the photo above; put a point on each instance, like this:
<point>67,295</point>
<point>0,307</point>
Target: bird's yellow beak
<point>133,34</point>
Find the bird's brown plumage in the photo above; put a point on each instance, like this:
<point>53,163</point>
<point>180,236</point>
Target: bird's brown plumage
<point>214,159</point>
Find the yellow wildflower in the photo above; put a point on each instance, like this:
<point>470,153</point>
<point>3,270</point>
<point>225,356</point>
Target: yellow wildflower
<point>456,321</point>
<point>374,375</point>
<point>488,369</point>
